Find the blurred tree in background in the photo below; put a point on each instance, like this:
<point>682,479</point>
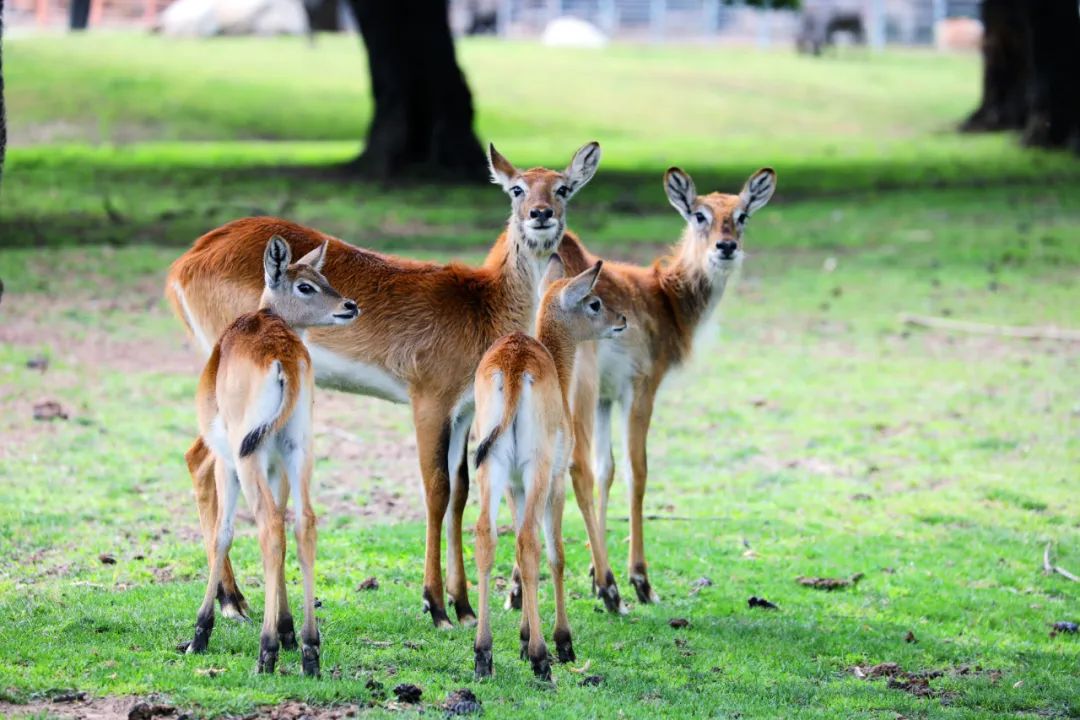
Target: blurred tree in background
<point>423,122</point>
<point>1031,63</point>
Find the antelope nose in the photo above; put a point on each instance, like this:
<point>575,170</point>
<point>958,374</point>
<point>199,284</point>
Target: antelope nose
<point>350,306</point>
<point>541,213</point>
<point>726,248</point>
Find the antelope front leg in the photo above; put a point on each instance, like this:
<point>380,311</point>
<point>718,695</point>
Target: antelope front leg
<point>218,550</point>
<point>200,462</point>
<point>637,433</point>
<point>432,422</point>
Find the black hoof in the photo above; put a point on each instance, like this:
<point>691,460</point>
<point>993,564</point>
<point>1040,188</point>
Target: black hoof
<point>287,633</point>
<point>233,605</point>
<point>203,628</point>
<point>438,613</point>
<point>268,652</point>
<point>564,646</point>
<point>267,661</point>
<point>541,665</point>
<point>592,581</point>
<point>310,660</point>
<point>644,591</point>
<point>610,595</point>
<point>465,615</point>
<point>513,600</point>
<point>483,662</point>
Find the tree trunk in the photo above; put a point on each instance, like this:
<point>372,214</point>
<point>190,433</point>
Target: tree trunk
<point>1005,69</point>
<point>1054,93</point>
<point>3,117</point>
<point>422,127</point>
<point>1031,59</point>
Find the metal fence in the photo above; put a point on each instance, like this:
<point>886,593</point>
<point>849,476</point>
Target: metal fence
<point>893,21</point>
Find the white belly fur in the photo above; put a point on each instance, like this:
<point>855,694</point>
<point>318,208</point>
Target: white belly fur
<point>341,373</point>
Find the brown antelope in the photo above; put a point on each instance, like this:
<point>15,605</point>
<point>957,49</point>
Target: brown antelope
<point>254,405</point>
<point>425,328</point>
<point>524,419</point>
<point>666,303</point>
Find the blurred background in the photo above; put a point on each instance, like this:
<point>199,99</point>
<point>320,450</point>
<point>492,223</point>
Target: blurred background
<point>892,388</point>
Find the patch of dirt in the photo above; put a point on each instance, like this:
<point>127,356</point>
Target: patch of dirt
<point>79,705</point>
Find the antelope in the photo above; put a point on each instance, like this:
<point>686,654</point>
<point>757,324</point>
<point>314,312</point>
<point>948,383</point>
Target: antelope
<point>667,303</point>
<point>254,405</point>
<point>523,413</point>
<point>425,328</point>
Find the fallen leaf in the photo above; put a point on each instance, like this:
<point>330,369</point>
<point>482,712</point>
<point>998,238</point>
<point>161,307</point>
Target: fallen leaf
<point>820,583</point>
<point>107,559</point>
<point>910,637</point>
<point>1018,683</point>
<point>592,680</point>
<point>38,362</point>
<point>678,623</point>
<point>49,410</point>
<point>462,702</point>
<point>583,668</point>
<point>408,693</point>
<point>371,583</point>
<point>760,602</point>
<point>209,672</point>
<point>697,585</point>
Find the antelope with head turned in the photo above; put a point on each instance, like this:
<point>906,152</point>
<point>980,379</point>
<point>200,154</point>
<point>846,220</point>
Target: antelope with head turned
<point>254,405</point>
<point>666,304</point>
<point>425,328</point>
<point>523,413</point>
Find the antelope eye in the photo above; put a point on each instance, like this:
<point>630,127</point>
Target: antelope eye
<point>305,289</point>
<point>741,218</point>
<point>700,217</point>
<point>563,191</point>
<point>595,305</point>
<point>516,191</point>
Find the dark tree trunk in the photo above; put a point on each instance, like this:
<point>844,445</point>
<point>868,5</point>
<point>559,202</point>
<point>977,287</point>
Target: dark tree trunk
<point>1054,91</point>
<point>1005,69</point>
<point>322,15</point>
<point>422,127</point>
<point>3,116</point>
<point>1031,60</point>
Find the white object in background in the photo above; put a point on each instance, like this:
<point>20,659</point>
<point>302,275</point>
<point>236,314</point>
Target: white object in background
<point>573,32</point>
<point>203,18</point>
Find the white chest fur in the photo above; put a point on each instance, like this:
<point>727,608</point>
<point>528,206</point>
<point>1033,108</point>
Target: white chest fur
<point>342,373</point>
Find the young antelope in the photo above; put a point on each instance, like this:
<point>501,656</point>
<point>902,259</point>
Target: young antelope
<point>254,406</point>
<point>524,418</point>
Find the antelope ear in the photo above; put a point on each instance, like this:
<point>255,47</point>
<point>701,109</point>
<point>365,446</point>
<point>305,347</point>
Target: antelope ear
<point>582,167</point>
<point>276,260</point>
<point>502,172</point>
<point>316,257</point>
<point>555,271</point>
<point>680,191</point>
<point>758,190</point>
<point>580,287</point>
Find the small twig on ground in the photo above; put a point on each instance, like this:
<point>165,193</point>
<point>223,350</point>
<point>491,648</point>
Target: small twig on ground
<point>1013,331</point>
<point>1049,568</point>
<point>674,518</point>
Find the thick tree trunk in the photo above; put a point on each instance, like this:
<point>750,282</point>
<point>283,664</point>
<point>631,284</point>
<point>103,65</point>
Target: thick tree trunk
<point>1031,59</point>
<point>422,126</point>
<point>3,116</point>
<point>1005,69</point>
<point>1054,91</point>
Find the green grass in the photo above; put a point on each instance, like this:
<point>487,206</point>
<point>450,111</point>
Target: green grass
<point>814,436</point>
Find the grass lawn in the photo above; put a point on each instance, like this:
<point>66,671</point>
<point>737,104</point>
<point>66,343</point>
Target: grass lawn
<point>812,434</point>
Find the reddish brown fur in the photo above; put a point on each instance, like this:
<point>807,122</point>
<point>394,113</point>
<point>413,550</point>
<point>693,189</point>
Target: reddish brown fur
<point>425,324</point>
